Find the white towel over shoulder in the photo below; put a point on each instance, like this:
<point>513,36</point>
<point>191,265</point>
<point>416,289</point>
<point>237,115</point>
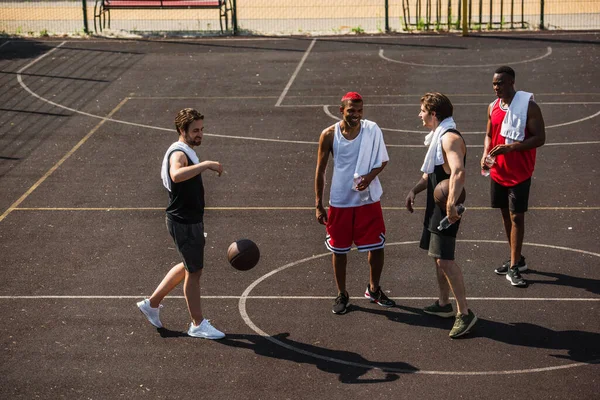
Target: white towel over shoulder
<point>372,154</point>
<point>515,120</point>
<point>164,172</point>
<point>434,155</point>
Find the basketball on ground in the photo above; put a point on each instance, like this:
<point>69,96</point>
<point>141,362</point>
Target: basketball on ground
<point>243,254</point>
<point>440,194</point>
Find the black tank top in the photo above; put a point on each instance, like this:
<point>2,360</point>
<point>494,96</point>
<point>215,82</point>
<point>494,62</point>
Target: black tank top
<point>433,213</point>
<point>186,199</point>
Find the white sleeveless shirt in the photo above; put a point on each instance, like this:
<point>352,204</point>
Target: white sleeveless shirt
<point>345,157</point>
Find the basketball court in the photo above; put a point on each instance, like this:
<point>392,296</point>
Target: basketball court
<point>84,125</point>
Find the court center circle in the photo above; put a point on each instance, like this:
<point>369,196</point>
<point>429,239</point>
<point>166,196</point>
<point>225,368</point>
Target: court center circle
<point>248,321</point>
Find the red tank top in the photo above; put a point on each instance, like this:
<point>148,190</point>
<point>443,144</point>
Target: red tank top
<point>514,167</point>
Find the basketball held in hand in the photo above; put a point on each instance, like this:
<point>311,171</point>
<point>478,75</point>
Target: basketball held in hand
<point>243,254</point>
<point>440,194</point>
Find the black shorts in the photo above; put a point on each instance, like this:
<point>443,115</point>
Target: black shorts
<point>189,240</point>
<point>515,198</point>
<point>438,246</point>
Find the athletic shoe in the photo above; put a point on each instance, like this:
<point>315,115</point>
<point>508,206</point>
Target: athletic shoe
<point>506,265</point>
<point>341,303</point>
<point>205,330</point>
<point>514,277</point>
<point>151,313</point>
<point>441,311</point>
<point>378,297</point>
<point>462,324</point>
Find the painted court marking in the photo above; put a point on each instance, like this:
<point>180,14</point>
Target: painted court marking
<point>255,328</point>
<point>442,65</point>
<point>293,77</point>
<point>329,114</point>
<point>281,97</point>
<point>14,205</point>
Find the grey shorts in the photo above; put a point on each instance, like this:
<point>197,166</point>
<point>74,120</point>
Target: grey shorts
<point>438,246</point>
<point>189,240</point>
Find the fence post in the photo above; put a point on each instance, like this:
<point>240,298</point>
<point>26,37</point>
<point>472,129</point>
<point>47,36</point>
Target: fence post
<point>542,14</point>
<point>387,16</point>
<point>85,21</point>
<point>234,18</point>
<point>465,28</point>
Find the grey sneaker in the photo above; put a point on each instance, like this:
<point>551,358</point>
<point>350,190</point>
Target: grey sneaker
<point>379,297</point>
<point>341,303</point>
<point>514,277</point>
<point>506,265</point>
<point>444,312</point>
<point>205,330</point>
<point>151,313</point>
<point>463,324</point>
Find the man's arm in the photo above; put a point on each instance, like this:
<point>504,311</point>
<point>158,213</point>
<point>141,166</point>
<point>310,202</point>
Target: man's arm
<point>488,137</point>
<point>325,148</point>
<point>418,188</point>
<point>180,171</point>
<point>367,179</point>
<point>454,149</point>
<point>536,129</point>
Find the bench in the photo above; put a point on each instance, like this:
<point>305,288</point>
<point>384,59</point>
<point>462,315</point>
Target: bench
<point>102,8</point>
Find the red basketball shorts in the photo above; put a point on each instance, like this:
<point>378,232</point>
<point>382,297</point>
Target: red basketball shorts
<point>361,225</point>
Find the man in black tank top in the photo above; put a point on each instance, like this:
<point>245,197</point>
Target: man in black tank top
<point>436,114</point>
<point>181,173</point>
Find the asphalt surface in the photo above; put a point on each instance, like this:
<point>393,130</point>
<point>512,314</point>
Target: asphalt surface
<point>83,128</point>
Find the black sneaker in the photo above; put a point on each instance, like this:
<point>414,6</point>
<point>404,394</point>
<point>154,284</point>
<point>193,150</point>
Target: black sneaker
<point>462,324</point>
<point>506,265</point>
<point>444,312</point>
<point>514,277</point>
<point>379,297</point>
<point>341,302</point>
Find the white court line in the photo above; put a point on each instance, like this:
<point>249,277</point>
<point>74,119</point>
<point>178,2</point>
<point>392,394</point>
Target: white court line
<point>244,314</point>
<point>116,297</point>
<point>4,44</point>
<point>289,84</point>
<point>441,65</point>
<point>329,114</point>
<point>20,80</point>
<point>416,96</point>
<point>533,36</point>
<point>295,208</point>
<point>64,158</point>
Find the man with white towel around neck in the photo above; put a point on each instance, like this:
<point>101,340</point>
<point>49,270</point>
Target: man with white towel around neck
<point>515,128</point>
<point>181,175</point>
<point>356,146</point>
<point>445,159</point>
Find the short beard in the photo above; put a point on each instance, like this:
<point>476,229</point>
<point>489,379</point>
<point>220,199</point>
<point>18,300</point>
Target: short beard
<point>351,123</point>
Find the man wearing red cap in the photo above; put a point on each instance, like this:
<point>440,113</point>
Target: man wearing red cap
<point>355,216</point>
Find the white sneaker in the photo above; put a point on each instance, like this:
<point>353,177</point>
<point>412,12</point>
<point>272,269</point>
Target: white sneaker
<point>205,330</point>
<point>150,312</point>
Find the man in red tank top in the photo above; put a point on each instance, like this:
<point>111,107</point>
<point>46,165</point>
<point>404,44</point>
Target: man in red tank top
<point>513,166</point>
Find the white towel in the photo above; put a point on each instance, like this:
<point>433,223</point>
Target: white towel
<point>434,155</point>
<point>515,120</point>
<point>372,154</point>
<point>164,172</point>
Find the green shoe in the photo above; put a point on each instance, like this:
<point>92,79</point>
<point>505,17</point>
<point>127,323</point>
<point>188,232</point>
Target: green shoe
<point>463,324</point>
<point>435,309</point>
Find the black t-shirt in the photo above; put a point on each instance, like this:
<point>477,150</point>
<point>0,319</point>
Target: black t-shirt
<point>186,199</point>
<point>433,213</point>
